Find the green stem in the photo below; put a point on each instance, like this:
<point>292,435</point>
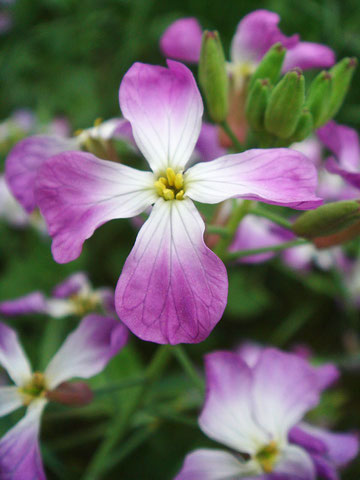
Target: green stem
<point>240,210</point>
<point>226,127</point>
<point>118,425</point>
<point>273,248</point>
<point>188,367</point>
<point>214,229</point>
<point>274,217</point>
<point>131,382</point>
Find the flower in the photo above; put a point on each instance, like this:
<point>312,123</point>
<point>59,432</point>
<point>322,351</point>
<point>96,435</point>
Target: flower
<point>343,142</point>
<point>73,296</point>
<point>255,34</point>
<point>172,288</point>
<point>253,410</point>
<point>85,352</point>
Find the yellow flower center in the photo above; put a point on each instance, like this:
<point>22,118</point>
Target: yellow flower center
<point>267,457</point>
<point>84,304</point>
<point>170,186</point>
<point>35,388</point>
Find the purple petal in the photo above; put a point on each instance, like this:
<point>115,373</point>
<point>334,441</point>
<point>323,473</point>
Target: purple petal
<point>327,375</point>
<point>32,303</point>
<point>285,388</point>
<point>87,350</point>
<point>208,145</point>
<point>351,177</point>
<point>341,448</point>
<point>301,437</point>
<point>227,415</point>
<point>343,142</point>
<point>20,457</point>
<point>24,161</point>
<point>294,464</point>
<point>77,193</point>
<point>71,285</point>
<point>278,176</point>
<point>164,108</point>
<point>306,55</point>
<point>107,296</point>
<point>250,352</point>
<point>255,34</point>
<point>182,40</point>
<point>12,356</point>
<point>172,288</point>
<point>311,148</point>
<point>214,465</point>
<point>324,469</point>
<point>256,232</point>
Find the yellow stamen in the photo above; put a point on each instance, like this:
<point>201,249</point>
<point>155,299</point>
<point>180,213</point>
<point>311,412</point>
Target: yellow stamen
<point>171,185</point>
<point>179,181</point>
<point>35,388</point>
<point>267,457</point>
<point>78,132</point>
<point>98,122</point>
<point>180,195</point>
<point>168,194</point>
<point>170,176</point>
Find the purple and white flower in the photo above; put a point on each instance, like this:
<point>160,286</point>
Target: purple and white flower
<point>73,296</point>
<point>255,34</point>
<point>173,288</point>
<point>85,352</point>
<point>253,410</point>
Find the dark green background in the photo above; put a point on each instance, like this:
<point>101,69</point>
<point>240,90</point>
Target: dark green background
<point>68,57</point>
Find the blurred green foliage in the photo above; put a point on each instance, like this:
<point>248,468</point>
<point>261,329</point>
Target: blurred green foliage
<point>68,57</point>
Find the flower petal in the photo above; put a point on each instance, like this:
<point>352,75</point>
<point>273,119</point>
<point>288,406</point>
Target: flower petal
<point>32,303</point>
<point>20,457</point>
<point>10,209</point>
<point>10,400</point>
<point>227,413</point>
<point>256,232</point>
<point>343,141</point>
<point>324,469</point>
<point>77,193</point>
<point>182,40</point>
<point>306,55</point>
<point>87,350</point>
<point>164,108</point>
<point>278,176</point>
<point>215,465</point>
<point>12,356</point>
<point>24,161</point>
<point>172,288</point>
<point>255,34</point>
<point>295,464</point>
<point>71,285</point>
<point>340,448</point>
<point>285,388</point>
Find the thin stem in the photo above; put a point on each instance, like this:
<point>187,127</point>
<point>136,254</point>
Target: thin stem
<point>188,367</point>
<point>118,425</point>
<point>273,248</point>
<point>274,217</point>
<point>214,229</point>
<point>227,129</point>
<point>240,210</point>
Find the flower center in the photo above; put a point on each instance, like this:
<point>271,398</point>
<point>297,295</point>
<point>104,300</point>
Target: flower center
<point>267,457</point>
<point>35,388</point>
<point>85,303</point>
<point>171,185</point>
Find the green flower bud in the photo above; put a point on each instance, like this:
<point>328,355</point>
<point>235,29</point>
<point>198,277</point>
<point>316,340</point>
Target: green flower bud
<point>213,77</point>
<point>285,105</point>
<point>327,219</point>
<point>256,103</point>
<point>270,65</point>
<point>342,74</point>
<point>304,126</point>
<point>318,100</point>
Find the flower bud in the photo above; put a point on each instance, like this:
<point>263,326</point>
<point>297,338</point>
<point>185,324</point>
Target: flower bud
<point>75,394</point>
<point>270,65</point>
<point>256,103</point>
<point>318,100</point>
<point>285,105</point>
<point>304,127</point>
<point>342,74</point>
<point>327,219</point>
<point>213,77</point>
